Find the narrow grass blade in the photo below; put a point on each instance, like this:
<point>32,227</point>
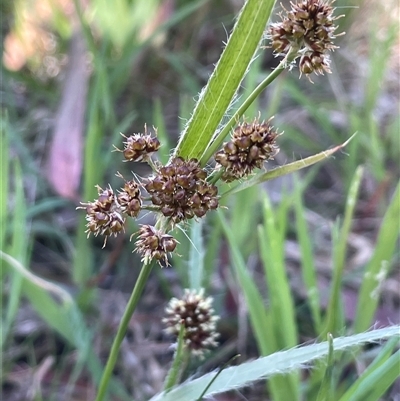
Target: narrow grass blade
<point>271,242</point>
<point>60,312</point>
<point>335,320</point>
<point>265,367</point>
<point>18,249</point>
<point>243,228</point>
<point>326,391</point>
<point>223,84</point>
<point>379,381</point>
<point>196,256</point>
<point>286,169</point>
<point>367,376</point>
<point>159,123</point>
<point>308,269</point>
<point>378,266</point>
<point>4,182</point>
<point>261,320</point>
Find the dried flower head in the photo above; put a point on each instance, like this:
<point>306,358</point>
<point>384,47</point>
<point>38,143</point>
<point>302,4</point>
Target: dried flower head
<point>154,244</point>
<point>194,311</point>
<point>310,27</point>
<point>129,198</point>
<point>180,190</point>
<point>103,216</point>
<point>250,146</point>
<point>140,147</point>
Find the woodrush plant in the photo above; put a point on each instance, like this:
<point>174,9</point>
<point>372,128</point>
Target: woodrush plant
<point>186,187</point>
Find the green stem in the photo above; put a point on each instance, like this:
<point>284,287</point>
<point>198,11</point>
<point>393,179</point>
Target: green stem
<point>130,308</point>
<point>215,144</point>
<point>178,362</point>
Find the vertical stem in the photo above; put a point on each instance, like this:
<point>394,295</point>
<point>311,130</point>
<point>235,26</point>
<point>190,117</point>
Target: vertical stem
<point>130,308</point>
<point>178,364</point>
<point>292,54</point>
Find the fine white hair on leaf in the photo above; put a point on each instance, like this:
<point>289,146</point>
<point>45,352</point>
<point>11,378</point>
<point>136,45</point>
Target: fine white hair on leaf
<point>229,112</point>
<point>280,362</point>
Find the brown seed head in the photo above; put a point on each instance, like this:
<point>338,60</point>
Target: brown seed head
<point>140,147</point>
<point>103,215</point>
<point>310,27</point>
<point>154,244</point>
<point>181,191</point>
<point>250,146</point>
<point>129,199</point>
<point>194,311</point>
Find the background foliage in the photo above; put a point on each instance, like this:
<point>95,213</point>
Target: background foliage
<point>287,262</point>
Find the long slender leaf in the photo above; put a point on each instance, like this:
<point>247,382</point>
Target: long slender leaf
<point>261,320</point>
<point>335,319</point>
<point>308,269</point>
<point>366,376</point>
<point>378,266</point>
<point>265,367</point>
<point>216,97</point>
<point>286,169</point>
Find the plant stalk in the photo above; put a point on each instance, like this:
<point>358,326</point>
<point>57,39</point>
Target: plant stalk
<point>178,363</point>
<point>215,144</point>
<point>130,308</point>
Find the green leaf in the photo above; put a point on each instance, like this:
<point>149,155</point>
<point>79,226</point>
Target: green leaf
<point>326,390</point>
<point>378,266</point>
<point>369,376</point>
<point>196,256</point>
<point>378,381</point>
<point>265,367</point>
<point>216,97</point>
<point>286,169</point>
<point>261,320</point>
<point>308,269</point>
<point>335,319</point>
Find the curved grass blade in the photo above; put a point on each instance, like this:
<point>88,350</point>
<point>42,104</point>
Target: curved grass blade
<point>281,362</point>
<point>286,169</point>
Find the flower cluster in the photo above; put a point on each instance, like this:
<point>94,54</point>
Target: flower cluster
<point>195,313</point>
<point>138,147</point>
<point>309,27</point>
<point>129,199</point>
<point>154,244</point>
<point>250,146</point>
<point>180,190</point>
<point>104,216</point>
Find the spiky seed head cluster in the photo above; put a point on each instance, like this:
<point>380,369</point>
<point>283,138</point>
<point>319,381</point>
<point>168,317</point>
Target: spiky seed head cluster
<point>308,26</point>
<point>194,311</point>
<point>103,215</point>
<point>250,146</point>
<point>154,244</point>
<point>140,147</point>
<point>129,199</point>
<point>180,190</point>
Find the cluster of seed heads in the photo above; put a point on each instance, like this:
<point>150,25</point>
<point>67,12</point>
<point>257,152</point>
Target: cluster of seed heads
<point>138,147</point>
<point>309,27</point>
<point>250,146</point>
<point>195,313</point>
<point>180,190</point>
<point>104,216</point>
<point>154,244</point>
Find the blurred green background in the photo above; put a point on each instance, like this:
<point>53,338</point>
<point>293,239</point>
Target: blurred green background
<point>75,74</point>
